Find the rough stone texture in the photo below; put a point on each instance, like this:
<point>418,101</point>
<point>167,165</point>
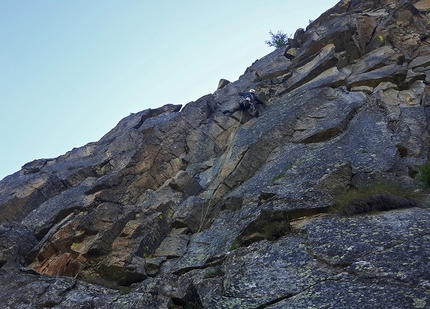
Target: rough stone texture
<point>186,184</point>
<point>350,293</point>
<point>16,242</point>
<point>57,208</point>
<point>21,194</point>
<point>190,213</point>
<point>184,206</point>
<point>173,246</point>
<point>324,60</point>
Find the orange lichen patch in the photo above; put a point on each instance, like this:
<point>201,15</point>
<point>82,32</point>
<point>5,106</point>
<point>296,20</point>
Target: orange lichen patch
<point>61,265</point>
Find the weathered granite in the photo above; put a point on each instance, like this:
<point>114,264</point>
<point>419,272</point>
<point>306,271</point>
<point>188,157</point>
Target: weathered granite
<point>183,206</point>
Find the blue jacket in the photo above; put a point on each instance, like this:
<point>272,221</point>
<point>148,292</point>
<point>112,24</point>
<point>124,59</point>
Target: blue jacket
<point>252,96</point>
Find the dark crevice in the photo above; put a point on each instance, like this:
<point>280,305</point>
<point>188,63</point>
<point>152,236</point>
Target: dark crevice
<point>277,300</point>
<point>325,262</point>
<point>298,213</point>
<point>209,263</point>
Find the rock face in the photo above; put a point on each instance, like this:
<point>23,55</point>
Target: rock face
<point>186,207</point>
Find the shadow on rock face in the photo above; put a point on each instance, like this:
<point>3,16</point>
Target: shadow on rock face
<point>271,225</point>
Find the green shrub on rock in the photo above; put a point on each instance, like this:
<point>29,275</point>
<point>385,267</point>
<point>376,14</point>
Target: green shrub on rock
<point>424,174</point>
<point>278,39</point>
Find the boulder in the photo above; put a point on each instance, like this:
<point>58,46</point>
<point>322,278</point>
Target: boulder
<point>186,184</point>
<point>222,83</point>
<point>277,66</point>
<point>173,246</point>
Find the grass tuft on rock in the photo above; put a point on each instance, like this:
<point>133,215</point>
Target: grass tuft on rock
<point>376,197</point>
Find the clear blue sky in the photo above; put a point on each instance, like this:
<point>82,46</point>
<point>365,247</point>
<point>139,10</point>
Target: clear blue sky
<point>70,70</point>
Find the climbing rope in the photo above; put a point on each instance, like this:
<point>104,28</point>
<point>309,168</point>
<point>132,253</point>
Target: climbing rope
<point>204,215</point>
<point>203,218</point>
<point>206,212</point>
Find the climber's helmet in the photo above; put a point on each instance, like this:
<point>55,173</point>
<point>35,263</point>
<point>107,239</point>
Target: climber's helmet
<point>251,90</point>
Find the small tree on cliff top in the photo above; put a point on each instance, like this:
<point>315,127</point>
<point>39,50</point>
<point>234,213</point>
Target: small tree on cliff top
<point>278,39</point>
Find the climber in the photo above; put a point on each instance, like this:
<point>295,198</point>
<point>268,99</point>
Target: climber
<point>249,102</point>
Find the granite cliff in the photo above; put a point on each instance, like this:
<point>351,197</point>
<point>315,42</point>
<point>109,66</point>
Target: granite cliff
<point>184,207</point>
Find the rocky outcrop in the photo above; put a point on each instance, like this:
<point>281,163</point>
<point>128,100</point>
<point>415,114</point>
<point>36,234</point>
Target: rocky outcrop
<point>183,206</point>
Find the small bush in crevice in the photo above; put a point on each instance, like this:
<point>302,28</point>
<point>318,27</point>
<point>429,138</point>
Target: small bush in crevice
<point>424,174</point>
<point>215,272</point>
<point>234,244</point>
